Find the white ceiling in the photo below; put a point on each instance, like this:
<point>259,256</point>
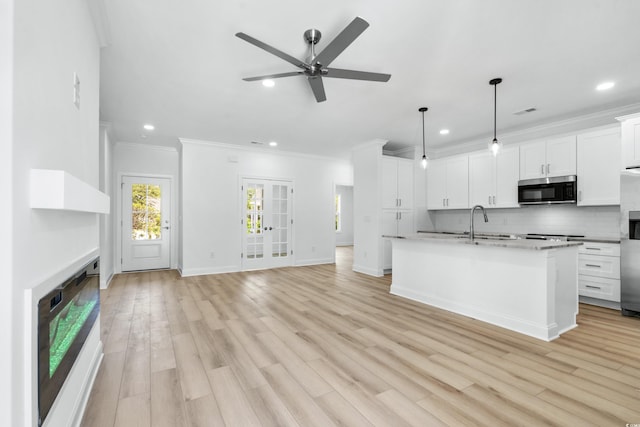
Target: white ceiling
<point>179,66</point>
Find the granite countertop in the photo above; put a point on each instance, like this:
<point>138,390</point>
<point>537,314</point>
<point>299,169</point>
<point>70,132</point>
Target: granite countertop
<point>595,239</point>
<point>495,240</point>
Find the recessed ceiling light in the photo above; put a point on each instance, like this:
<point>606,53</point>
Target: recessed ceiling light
<point>605,85</point>
<point>444,131</point>
<point>273,144</point>
<point>149,127</point>
<point>268,83</point>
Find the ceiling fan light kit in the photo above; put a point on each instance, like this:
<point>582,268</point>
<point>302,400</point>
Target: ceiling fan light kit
<point>495,146</point>
<point>317,66</point>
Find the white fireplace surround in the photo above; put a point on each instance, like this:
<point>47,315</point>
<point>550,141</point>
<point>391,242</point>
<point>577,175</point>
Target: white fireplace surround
<point>69,406</point>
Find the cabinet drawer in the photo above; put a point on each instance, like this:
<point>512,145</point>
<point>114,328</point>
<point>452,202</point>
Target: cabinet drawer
<point>599,266</point>
<point>599,287</point>
<point>595,248</point>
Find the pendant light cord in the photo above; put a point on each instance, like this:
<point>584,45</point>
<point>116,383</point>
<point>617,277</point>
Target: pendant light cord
<point>495,109</point>
<point>424,151</point>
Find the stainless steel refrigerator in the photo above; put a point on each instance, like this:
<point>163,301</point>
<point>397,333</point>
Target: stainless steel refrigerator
<point>630,242</point>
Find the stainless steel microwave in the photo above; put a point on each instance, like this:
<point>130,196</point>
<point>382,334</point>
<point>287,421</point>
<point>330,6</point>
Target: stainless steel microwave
<point>542,191</point>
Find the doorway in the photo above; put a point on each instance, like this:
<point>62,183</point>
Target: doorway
<point>267,223</point>
<point>146,223</point>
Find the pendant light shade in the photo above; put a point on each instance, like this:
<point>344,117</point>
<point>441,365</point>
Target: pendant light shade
<point>425,159</point>
<point>495,146</point>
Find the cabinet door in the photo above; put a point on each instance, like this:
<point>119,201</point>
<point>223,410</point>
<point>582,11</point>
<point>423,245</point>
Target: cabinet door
<point>599,168</point>
<point>631,142</point>
<point>405,183</point>
<point>389,183</point>
<point>561,156</point>
<point>482,180</point>
<point>436,184</point>
<point>457,180</point>
<point>532,160</point>
<point>405,223</point>
<point>507,173</point>
<point>389,228</point>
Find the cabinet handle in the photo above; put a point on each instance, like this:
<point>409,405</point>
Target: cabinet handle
<point>494,200</point>
<point>442,202</point>
<point>400,202</point>
<point>489,200</point>
<point>592,287</point>
<point>593,265</point>
<point>447,202</point>
<point>400,216</point>
<point>548,168</point>
<point>579,195</point>
<point>541,169</point>
<point>592,249</point>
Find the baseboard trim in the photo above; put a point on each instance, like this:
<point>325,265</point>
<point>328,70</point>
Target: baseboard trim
<point>368,271</point>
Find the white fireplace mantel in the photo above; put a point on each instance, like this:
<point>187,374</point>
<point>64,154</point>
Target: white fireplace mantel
<point>57,189</point>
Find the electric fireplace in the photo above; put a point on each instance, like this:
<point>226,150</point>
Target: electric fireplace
<point>65,318</point>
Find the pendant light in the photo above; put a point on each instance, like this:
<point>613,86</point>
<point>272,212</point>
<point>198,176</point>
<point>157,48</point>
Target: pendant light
<point>495,145</point>
<point>424,160</point>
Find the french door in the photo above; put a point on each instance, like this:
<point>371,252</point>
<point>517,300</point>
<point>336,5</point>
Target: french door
<point>146,222</point>
<point>266,224</point>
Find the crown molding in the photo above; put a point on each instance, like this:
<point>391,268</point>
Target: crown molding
<point>138,146</point>
<point>98,12</point>
<point>556,128</point>
<point>260,149</point>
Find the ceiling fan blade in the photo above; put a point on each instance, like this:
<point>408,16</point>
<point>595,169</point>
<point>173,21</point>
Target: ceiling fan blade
<point>273,76</point>
<point>272,50</point>
<point>356,75</point>
<point>318,88</point>
<point>342,41</point>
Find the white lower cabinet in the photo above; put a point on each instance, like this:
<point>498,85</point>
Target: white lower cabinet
<point>599,270</point>
<point>394,223</point>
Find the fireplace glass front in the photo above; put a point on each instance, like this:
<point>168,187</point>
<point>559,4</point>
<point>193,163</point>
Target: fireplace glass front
<point>65,318</point>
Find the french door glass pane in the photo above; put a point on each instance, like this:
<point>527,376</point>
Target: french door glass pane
<point>146,214</point>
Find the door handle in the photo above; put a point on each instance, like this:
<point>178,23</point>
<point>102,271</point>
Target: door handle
<point>166,227</point>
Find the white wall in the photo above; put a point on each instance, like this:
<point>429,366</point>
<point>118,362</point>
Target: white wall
<point>107,222</point>
<point>367,202</point>
<point>52,40</point>
<point>146,160</point>
<point>596,221</point>
<point>7,358</point>
<point>345,236</point>
<point>211,203</point>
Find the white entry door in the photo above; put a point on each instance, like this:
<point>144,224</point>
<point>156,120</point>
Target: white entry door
<point>146,222</point>
<point>266,223</point>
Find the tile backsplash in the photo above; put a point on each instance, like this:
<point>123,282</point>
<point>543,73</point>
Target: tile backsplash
<point>596,221</point>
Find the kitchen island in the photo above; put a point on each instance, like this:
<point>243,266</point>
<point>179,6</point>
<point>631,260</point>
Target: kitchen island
<point>528,286</point>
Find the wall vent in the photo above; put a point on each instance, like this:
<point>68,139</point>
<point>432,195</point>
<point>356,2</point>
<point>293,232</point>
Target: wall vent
<point>525,111</point>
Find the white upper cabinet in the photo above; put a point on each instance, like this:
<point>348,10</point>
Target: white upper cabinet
<point>493,180</point>
<point>554,157</point>
<point>448,183</point>
<point>599,167</point>
<point>630,140</point>
<point>397,183</point>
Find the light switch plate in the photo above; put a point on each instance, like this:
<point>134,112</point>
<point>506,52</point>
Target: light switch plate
<point>76,90</point>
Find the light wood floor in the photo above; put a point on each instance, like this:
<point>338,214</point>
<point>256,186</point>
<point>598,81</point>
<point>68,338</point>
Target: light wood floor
<point>322,346</point>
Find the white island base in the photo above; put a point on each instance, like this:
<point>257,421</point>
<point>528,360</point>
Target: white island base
<point>531,291</point>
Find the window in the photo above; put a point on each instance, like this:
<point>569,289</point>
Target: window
<point>338,214</point>
<point>145,211</point>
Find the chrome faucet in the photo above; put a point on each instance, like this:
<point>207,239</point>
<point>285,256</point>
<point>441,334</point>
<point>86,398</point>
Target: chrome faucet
<point>473,209</point>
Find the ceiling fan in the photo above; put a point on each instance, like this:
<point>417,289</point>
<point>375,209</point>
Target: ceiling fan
<point>315,67</point>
